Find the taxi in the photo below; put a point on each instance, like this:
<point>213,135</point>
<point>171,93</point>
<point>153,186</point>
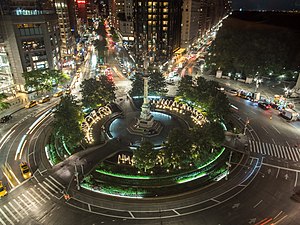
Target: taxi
<point>3,190</point>
<point>26,173</point>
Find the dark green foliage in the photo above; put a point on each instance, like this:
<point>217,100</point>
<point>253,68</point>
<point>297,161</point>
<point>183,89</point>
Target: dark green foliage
<point>44,80</point>
<point>157,84</point>
<point>137,86</point>
<point>97,92</point>
<point>3,104</point>
<point>178,149</point>
<point>67,122</point>
<point>206,94</point>
<point>254,49</point>
<point>145,156</point>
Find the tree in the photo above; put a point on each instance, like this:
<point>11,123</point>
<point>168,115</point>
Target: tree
<point>185,87</point>
<point>157,84</point>
<point>3,104</point>
<point>97,92</point>
<point>178,148</point>
<point>145,156</point>
<point>137,86</point>
<point>67,122</point>
<point>44,79</point>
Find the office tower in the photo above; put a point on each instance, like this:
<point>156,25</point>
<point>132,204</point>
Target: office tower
<point>199,16</point>
<point>30,33</point>
<point>157,29</point>
<point>67,39</point>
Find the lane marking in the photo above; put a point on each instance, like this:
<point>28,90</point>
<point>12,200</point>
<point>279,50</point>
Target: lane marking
<point>31,202</point>
<point>276,129</point>
<point>277,173</point>
<point>265,130</point>
<point>131,214</point>
<point>278,215</point>
<point>50,187</point>
<point>296,180</point>
<point>257,204</point>
<point>274,141</point>
<point>46,189</point>
<point>287,143</point>
<point>176,212</point>
<point>280,220</point>
<point>56,181</point>
<point>53,184</point>
<point>280,167</point>
<point>215,200</point>
<point>46,196</point>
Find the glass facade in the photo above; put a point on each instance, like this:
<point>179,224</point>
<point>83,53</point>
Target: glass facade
<point>5,71</point>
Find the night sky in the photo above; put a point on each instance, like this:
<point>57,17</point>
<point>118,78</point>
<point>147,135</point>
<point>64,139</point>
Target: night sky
<point>266,4</point>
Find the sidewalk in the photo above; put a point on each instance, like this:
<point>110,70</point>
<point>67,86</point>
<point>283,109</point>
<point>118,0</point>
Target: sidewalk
<point>16,104</point>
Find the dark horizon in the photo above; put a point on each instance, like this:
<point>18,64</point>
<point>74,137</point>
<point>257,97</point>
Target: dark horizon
<point>266,4</point>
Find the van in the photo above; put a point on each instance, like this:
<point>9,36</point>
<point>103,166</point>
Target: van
<point>31,104</point>
<point>45,99</point>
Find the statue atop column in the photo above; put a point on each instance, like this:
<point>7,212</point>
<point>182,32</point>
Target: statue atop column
<point>146,125</point>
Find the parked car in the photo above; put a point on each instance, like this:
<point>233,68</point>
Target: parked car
<point>264,105</point>
<point>45,99</point>
<point>233,91</point>
<point>31,104</point>
<point>6,118</point>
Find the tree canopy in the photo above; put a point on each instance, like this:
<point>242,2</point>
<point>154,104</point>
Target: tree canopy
<point>67,122</point>
<point>97,92</point>
<point>253,49</point>
<point>44,79</point>
<point>157,84</point>
<point>145,156</point>
<point>3,103</point>
<point>205,94</point>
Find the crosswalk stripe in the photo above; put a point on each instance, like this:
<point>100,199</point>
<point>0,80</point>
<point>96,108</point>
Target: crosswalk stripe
<point>294,154</point>
<point>257,147</point>
<point>46,189</point>
<point>250,145</point>
<point>53,184</point>
<point>284,152</point>
<point>62,186</point>
<point>42,199</point>
<point>2,221</point>
<point>266,148</point>
<point>18,204</point>
<point>46,196</point>
<point>34,198</point>
<point>291,152</point>
<point>288,152</point>
<point>6,217</point>
<point>8,210</point>
<point>31,202</point>
<point>26,205</point>
<point>297,152</point>
<point>261,148</point>
<point>273,149</point>
<point>17,211</point>
<point>272,153</point>
<point>49,187</point>
<point>280,153</point>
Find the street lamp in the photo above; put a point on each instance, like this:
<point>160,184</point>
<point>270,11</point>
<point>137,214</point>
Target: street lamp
<point>257,83</point>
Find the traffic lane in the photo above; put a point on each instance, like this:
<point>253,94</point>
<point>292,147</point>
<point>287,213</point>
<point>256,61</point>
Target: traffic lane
<point>276,130</point>
<point>267,196</point>
<point>11,145</point>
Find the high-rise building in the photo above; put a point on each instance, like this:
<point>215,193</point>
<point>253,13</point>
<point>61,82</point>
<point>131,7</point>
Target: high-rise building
<point>87,10</point>
<point>66,36</point>
<point>30,33</point>
<point>199,16</point>
<point>157,28</point>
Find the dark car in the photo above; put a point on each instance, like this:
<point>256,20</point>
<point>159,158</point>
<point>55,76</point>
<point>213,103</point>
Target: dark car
<point>264,105</point>
<point>274,105</point>
<point>6,118</point>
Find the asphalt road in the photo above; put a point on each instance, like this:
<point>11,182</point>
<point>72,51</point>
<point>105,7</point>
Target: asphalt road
<point>265,194</point>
